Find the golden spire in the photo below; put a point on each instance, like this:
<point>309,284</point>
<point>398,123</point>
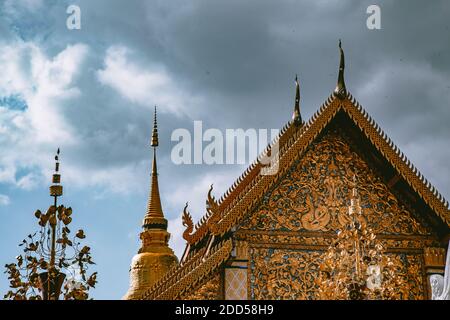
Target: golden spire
<point>341,90</point>
<point>154,257</point>
<point>296,116</point>
<point>154,219</point>
<point>155,141</point>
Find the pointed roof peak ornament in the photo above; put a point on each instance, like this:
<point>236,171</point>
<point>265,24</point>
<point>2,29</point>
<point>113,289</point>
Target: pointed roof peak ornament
<point>296,116</point>
<point>155,140</point>
<point>340,89</point>
<point>154,219</point>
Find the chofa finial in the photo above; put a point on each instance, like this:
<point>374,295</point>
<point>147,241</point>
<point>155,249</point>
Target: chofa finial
<point>296,116</point>
<point>341,90</point>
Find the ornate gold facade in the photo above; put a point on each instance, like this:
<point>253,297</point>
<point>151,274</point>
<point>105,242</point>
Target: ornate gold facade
<point>297,219</point>
<point>266,236</point>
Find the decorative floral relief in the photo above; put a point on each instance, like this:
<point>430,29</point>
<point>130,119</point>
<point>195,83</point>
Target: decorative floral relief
<point>315,193</point>
<point>284,274</point>
<point>280,239</point>
<point>291,274</point>
<point>409,267</point>
<point>208,291</point>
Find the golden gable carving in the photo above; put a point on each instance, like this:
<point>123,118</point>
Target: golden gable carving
<point>314,195</point>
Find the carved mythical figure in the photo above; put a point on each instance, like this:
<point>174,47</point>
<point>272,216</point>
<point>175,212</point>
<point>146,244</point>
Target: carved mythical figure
<point>440,285</point>
<point>188,223</point>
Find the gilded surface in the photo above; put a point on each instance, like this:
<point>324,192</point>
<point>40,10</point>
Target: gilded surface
<point>235,286</point>
<point>409,267</point>
<point>434,257</point>
<point>284,274</point>
<point>291,274</point>
<point>314,195</point>
<point>208,291</point>
<point>297,218</point>
<point>183,280</point>
<point>293,239</point>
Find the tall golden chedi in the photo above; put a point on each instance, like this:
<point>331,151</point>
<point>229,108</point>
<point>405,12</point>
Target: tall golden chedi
<point>155,257</point>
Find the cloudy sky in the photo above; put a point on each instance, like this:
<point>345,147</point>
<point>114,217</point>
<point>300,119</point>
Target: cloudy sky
<point>230,64</point>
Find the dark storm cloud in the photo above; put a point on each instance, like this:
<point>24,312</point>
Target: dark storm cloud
<point>241,58</point>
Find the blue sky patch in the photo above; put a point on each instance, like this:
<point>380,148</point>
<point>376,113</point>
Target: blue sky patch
<point>13,102</point>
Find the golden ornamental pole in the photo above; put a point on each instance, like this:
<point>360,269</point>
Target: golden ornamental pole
<point>56,190</point>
